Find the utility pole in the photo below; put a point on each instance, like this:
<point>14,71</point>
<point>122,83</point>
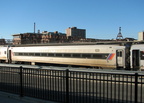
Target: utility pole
<point>34,27</point>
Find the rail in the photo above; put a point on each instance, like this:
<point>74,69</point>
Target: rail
<point>73,86</point>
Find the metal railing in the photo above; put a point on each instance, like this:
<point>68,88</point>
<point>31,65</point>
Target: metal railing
<point>73,86</point>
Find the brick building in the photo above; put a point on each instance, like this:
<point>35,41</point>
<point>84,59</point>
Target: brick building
<point>53,37</point>
<point>72,35</point>
<point>2,42</point>
<point>38,38</point>
<point>26,38</point>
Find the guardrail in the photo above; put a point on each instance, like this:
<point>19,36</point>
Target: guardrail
<point>73,86</point>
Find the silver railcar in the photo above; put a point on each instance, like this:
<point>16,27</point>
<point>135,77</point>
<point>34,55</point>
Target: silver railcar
<point>99,56</point>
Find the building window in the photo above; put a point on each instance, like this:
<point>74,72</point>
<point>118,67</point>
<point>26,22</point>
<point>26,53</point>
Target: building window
<point>16,36</point>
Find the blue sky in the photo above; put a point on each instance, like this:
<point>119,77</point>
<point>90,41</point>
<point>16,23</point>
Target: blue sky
<point>100,18</point>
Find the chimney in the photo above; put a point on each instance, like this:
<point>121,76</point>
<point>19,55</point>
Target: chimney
<point>38,31</point>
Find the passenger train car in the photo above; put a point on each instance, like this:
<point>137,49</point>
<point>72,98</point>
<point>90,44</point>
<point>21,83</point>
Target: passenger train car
<point>98,56</point>
<point>137,57</point>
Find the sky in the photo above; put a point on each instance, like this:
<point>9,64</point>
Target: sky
<point>100,18</point>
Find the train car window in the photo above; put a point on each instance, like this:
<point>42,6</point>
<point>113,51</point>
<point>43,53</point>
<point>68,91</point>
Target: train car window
<point>16,54</point>
<point>100,56</point>
<point>97,56</point>
<point>58,55</point>
<point>86,55</point>
<point>104,56</point>
<point>25,54</point>
<point>43,54</point>
<point>142,55</point>
<point>119,54</point>
<point>67,55</point>
<point>76,55</point>
<point>51,54</point>
<point>31,54</point>
<point>20,54</point>
<point>37,54</point>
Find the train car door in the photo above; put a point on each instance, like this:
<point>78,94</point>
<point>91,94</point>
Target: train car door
<point>9,56</point>
<point>120,58</point>
<point>135,59</point>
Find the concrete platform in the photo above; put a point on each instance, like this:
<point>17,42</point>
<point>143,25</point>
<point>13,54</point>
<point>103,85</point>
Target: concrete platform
<point>13,98</point>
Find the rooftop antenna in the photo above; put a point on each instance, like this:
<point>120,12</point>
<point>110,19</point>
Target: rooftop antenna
<point>119,36</point>
<point>34,27</point>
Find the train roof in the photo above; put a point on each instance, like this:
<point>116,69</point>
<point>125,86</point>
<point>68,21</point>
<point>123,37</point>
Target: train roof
<point>79,43</point>
<point>137,46</point>
<point>74,46</point>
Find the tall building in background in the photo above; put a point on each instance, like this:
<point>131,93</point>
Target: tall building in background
<point>141,36</point>
<point>74,32</point>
